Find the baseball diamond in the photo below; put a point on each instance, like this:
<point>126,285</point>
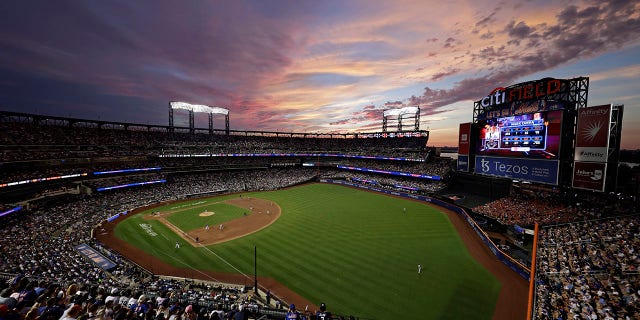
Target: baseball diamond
<point>354,250</point>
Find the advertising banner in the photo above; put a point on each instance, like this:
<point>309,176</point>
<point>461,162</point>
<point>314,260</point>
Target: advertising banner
<point>589,175</point>
<point>535,170</point>
<point>463,163</point>
<point>464,138</point>
<point>592,138</point>
<point>96,257</point>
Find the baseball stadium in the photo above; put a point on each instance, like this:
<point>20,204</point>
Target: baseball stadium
<point>138,220</point>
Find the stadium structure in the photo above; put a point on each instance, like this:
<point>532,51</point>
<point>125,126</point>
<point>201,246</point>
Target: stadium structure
<point>204,222</point>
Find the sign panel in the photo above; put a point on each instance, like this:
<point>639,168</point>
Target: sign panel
<point>589,175</point>
<point>532,135</point>
<point>463,163</point>
<point>592,138</point>
<point>464,137</point>
<point>96,257</point>
<point>543,171</point>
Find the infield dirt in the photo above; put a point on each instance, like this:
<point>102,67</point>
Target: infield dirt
<point>261,214</point>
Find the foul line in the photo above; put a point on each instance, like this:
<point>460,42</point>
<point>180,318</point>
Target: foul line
<point>227,262</point>
<point>188,265</point>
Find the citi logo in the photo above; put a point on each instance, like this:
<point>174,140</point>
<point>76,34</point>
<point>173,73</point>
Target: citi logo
<point>497,96</point>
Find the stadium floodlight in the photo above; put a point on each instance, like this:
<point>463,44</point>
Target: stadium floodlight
<point>401,112</point>
<point>193,108</point>
<point>399,115</point>
<point>198,108</point>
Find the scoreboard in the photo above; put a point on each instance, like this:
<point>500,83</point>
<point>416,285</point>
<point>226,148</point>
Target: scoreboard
<point>529,135</point>
<point>516,133</point>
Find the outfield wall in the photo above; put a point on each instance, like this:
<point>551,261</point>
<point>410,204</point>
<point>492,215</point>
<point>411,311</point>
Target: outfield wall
<point>522,270</point>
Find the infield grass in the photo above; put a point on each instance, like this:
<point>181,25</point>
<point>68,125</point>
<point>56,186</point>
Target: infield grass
<point>356,251</point>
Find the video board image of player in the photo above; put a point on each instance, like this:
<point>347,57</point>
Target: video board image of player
<point>534,135</point>
<point>490,135</point>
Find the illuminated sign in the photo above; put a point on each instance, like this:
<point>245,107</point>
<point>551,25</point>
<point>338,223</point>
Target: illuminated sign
<point>18,208</point>
<point>286,155</point>
<point>43,179</point>
<point>131,185</point>
<point>126,170</point>
<point>495,97</point>
<point>589,175</point>
<point>528,91</point>
<point>410,134</point>
<point>592,136</point>
<point>96,257</point>
<point>463,162</point>
<point>464,138</point>
<point>543,171</point>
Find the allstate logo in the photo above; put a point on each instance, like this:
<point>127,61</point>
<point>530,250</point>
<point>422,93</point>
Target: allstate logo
<point>485,165</point>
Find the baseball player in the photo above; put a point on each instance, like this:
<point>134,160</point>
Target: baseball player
<point>323,314</point>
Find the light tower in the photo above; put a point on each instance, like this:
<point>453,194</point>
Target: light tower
<point>192,108</point>
<point>398,115</point>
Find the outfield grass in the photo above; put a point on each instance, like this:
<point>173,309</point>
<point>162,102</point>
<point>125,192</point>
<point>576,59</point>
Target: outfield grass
<point>354,250</point>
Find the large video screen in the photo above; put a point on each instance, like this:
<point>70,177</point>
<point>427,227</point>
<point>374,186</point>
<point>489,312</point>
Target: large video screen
<point>532,135</point>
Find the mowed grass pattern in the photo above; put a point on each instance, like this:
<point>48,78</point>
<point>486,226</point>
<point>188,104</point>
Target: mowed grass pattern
<point>356,251</point>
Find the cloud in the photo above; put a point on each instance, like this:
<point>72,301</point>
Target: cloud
<point>578,34</point>
<point>439,76</point>
<point>296,65</point>
<point>130,51</point>
<point>367,113</point>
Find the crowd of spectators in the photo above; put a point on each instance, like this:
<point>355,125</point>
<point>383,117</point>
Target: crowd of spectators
<point>234,181</point>
<point>526,208</point>
<point>388,182</point>
<point>39,242</point>
<point>125,179</point>
<point>29,141</point>
<point>437,167</point>
<point>589,270</point>
<point>34,152</point>
<point>15,174</point>
<point>28,298</point>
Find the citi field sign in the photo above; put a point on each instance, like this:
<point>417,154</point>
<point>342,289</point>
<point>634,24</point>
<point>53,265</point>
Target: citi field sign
<point>523,91</point>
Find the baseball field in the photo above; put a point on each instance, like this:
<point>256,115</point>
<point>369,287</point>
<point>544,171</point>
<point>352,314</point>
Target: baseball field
<point>356,251</point>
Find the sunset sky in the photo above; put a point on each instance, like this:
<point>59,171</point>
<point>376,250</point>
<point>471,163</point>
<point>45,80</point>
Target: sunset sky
<point>310,66</point>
